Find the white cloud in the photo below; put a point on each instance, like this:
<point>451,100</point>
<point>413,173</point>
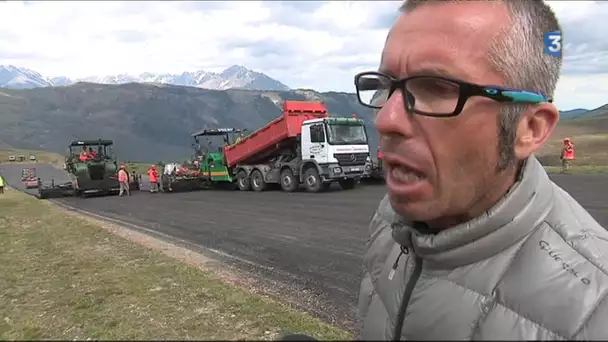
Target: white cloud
<point>316,44</point>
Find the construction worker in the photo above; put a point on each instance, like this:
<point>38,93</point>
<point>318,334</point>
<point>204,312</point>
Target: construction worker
<point>91,154</point>
<point>567,154</point>
<point>153,177</point>
<point>239,138</point>
<point>84,155</point>
<point>1,185</point>
<point>123,180</point>
<point>379,159</point>
<point>169,173</point>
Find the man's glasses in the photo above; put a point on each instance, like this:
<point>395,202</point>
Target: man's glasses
<point>433,95</point>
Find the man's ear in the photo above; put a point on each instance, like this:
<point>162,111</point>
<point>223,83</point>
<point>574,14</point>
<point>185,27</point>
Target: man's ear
<point>534,128</point>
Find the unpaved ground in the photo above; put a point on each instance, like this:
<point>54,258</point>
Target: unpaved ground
<point>307,247</point>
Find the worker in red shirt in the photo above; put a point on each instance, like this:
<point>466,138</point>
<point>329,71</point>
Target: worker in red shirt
<point>91,154</point>
<point>123,181</point>
<point>567,154</point>
<point>84,155</point>
<point>379,159</point>
<point>153,177</point>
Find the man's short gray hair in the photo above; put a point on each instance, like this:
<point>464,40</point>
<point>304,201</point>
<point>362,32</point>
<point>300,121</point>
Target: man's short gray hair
<point>517,54</point>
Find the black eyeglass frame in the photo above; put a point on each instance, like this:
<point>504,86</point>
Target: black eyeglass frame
<point>466,91</point>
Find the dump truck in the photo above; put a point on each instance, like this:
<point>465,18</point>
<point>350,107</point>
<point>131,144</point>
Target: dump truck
<point>97,175</point>
<point>303,146</point>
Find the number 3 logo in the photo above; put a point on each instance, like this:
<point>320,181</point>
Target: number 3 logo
<point>553,43</point>
<point>556,43</point>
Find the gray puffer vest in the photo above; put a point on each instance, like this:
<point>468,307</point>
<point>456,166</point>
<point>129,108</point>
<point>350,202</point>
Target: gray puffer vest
<point>531,268</point>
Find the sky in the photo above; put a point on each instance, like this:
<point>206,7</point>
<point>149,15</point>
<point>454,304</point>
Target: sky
<point>318,44</point>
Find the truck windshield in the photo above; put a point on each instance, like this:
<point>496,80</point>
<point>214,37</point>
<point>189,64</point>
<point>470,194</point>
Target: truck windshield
<point>346,134</point>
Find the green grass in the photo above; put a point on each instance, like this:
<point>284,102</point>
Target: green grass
<point>41,157</point>
<point>141,168</point>
<point>63,277</point>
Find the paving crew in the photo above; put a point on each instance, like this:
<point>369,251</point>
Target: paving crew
<point>567,154</point>
<point>123,180</point>
<point>153,177</point>
<point>1,184</point>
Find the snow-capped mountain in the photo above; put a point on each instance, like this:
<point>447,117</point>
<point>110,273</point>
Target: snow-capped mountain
<point>21,78</point>
<point>234,77</point>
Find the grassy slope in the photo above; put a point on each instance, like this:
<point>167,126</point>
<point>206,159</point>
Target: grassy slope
<point>66,278</point>
<point>41,156</point>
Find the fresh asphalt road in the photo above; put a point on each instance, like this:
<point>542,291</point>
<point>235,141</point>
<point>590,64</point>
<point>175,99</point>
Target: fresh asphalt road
<point>306,243</point>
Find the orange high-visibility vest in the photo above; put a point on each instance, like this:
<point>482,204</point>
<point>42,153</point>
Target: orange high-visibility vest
<point>153,175</point>
<point>569,150</point>
<point>122,176</point>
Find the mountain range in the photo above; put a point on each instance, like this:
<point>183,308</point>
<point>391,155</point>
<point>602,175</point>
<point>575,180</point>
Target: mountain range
<point>148,122</point>
<point>236,76</point>
<point>151,119</point>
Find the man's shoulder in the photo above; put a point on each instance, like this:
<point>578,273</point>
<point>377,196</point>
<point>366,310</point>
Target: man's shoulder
<point>557,277</point>
<point>575,225</point>
<point>574,245</point>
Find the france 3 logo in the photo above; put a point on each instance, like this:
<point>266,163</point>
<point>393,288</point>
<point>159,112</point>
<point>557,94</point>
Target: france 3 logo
<point>553,43</point>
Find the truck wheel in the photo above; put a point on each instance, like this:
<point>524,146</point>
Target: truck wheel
<point>257,181</point>
<point>348,184</point>
<point>242,181</point>
<point>312,180</point>
<point>289,182</point>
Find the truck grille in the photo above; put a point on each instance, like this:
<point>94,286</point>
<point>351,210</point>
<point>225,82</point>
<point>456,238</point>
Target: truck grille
<point>348,159</point>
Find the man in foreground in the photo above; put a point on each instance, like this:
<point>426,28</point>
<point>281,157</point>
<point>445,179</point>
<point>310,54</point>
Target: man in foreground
<point>473,240</point>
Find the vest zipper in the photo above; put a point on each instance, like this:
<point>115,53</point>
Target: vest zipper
<point>391,274</point>
<point>407,294</point>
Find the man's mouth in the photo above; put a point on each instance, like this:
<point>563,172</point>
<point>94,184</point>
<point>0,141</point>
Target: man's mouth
<point>405,175</point>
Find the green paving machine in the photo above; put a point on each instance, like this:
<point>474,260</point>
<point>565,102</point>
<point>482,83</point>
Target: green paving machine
<point>95,174</point>
<point>209,153</point>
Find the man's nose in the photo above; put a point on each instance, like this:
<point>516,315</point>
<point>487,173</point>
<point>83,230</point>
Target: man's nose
<point>393,119</point>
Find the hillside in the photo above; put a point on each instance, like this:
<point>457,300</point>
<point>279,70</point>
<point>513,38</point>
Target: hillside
<point>154,122</point>
<point>573,113</point>
<point>147,122</point>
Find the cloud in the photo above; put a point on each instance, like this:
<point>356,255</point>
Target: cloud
<point>584,80</point>
<point>309,44</point>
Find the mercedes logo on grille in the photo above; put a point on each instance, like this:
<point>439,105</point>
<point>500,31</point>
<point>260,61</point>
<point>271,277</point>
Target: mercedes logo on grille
<point>353,157</point>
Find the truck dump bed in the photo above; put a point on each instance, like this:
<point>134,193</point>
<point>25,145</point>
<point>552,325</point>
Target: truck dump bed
<point>276,132</point>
